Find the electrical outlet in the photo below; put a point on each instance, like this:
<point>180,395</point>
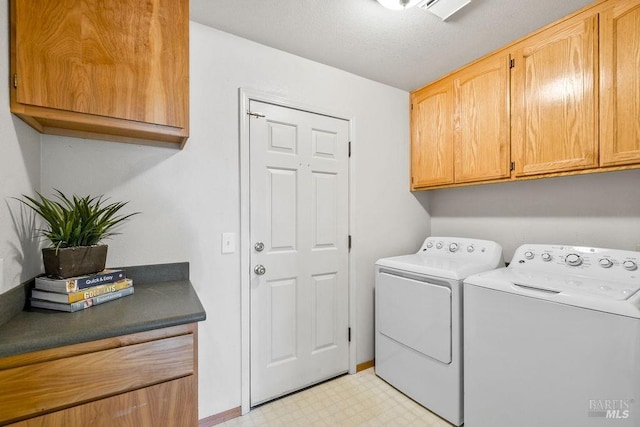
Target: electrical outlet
<point>228,243</point>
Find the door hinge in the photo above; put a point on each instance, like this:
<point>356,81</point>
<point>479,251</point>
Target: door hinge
<point>349,334</point>
<point>257,115</point>
<point>349,148</point>
<point>512,166</point>
<point>15,81</point>
<point>512,63</point>
<point>349,241</point>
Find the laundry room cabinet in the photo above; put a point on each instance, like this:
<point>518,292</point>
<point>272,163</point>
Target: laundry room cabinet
<point>432,135</point>
<point>561,101</point>
<point>620,83</point>
<point>102,69</point>
<point>481,120</point>
<point>460,126</point>
<point>554,98</point>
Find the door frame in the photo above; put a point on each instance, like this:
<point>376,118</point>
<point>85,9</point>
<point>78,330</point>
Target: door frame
<point>245,96</point>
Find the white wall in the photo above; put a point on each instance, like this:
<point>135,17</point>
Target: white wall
<point>188,198</point>
<point>19,174</point>
<point>601,210</point>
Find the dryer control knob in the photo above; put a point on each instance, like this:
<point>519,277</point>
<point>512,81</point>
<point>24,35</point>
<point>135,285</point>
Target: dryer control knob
<point>546,257</point>
<point>439,245</point>
<point>528,255</point>
<point>453,247</point>
<point>470,249</point>
<point>605,262</point>
<point>429,244</point>
<point>630,265</point>
<point>573,260</point>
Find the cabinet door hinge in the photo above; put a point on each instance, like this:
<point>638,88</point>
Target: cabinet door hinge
<point>512,166</point>
<point>349,334</point>
<point>512,63</point>
<point>349,241</point>
<point>15,81</point>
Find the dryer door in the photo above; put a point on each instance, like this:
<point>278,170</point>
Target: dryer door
<point>415,313</point>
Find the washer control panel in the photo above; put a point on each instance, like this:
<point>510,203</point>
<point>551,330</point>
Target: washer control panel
<point>602,271</point>
<point>462,248</point>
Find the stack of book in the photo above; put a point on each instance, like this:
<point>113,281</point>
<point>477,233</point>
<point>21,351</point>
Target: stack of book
<point>78,293</point>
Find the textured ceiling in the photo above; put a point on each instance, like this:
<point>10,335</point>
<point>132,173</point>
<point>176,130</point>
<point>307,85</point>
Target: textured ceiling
<point>404,49</point>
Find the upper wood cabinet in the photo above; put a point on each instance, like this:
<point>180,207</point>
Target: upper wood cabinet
<point>102,69</point>
<point>620,83</point>
<point>554,98</point>
<point>460,126</point>
<point>432,135</point>
<point>562,101</point>
<point>481,120</point>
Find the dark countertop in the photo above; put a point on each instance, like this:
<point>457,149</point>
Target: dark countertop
<point>163,297</point>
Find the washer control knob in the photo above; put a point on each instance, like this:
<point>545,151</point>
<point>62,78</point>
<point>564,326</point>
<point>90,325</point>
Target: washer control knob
<point>470,249</point>
<point>439,245</point>
<point>546,257</point>
<point>630,265</point>
<point>453,247</point>
<point>605,262</point>
<point>528,255</point>
<point>429,245</point>
<point>573,260</point>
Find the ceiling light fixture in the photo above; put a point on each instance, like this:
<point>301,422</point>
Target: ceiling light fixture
<point>399,4</point>
<point>443,9</point>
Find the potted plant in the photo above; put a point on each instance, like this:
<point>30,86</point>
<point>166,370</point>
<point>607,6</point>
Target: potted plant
<point>75,227</point>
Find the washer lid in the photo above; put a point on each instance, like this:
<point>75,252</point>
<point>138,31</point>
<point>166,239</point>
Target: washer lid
<point>431,265</point>
<point>620,298</point>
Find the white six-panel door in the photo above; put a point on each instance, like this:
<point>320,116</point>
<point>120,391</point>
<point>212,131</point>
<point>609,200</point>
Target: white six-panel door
<point>299,216</point>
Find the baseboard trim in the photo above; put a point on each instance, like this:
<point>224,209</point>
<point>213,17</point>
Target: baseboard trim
<point>365,365</point>
<point>220,418</point>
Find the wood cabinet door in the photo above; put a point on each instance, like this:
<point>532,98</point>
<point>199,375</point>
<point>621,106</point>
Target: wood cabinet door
<point>554,98</point>
<point>481,120</point>
<point>172,403</point>
<point>432,135</point>
<point>620,83</point>
<point>126,60</point>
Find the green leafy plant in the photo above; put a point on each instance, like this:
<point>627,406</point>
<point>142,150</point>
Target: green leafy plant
<point>76,221</point>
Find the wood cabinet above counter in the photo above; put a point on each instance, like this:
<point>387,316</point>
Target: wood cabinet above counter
<point>560,101</point>
<point>102,70</point>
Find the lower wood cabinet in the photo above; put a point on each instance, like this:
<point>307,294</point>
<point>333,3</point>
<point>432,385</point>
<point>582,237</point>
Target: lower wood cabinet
<point>149,378</point>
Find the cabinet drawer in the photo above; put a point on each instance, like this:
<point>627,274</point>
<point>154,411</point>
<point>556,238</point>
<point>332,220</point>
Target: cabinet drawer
<point>43,387</point>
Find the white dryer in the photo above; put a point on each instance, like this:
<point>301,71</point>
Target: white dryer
<point>554,340</point>
<point>418,319</point>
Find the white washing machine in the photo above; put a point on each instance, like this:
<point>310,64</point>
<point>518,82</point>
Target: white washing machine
<point>418,340</point>
<point>554,340</point>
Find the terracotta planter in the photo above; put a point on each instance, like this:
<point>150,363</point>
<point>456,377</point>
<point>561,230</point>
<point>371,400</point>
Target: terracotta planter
<point>76,261</point>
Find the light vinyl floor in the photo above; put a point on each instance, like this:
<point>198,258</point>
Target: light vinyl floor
<point>362,399</point>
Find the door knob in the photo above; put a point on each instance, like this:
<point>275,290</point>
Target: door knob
<point>259,269</point>
<point>259,246</point>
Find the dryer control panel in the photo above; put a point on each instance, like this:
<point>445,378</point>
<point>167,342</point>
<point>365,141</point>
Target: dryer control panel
<point>459,247</point>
